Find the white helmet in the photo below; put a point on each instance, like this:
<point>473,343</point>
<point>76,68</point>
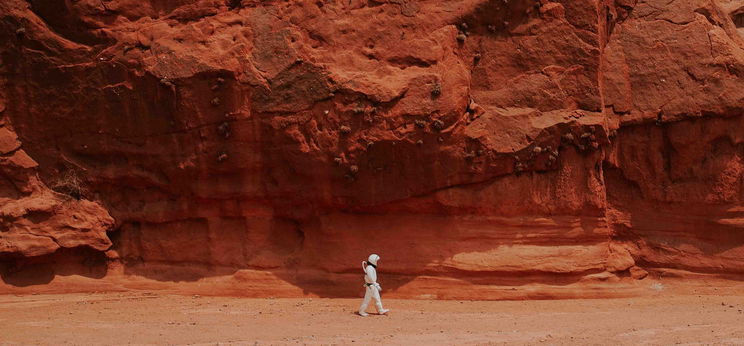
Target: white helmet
<point>373,258</point>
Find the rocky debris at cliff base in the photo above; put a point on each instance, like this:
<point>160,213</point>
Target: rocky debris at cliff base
<point>638,273</point>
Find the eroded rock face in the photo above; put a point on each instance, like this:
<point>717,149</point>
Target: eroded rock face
<point>36,221</point>
<point>471,143</point>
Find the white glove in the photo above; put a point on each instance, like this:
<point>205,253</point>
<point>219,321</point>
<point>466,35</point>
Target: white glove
<point>379,288</point>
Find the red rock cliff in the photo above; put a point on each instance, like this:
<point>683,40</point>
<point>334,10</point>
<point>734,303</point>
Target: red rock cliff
<point>485,149</point>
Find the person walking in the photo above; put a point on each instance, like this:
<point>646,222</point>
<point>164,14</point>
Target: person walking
<point>372,288</point>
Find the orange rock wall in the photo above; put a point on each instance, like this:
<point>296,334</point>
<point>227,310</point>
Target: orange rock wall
<point>480,147</point>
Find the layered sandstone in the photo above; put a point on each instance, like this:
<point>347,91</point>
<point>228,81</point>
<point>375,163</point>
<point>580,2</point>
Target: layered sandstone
<point>485,149</point>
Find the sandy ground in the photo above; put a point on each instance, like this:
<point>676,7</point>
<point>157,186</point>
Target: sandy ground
<point>150,318</point>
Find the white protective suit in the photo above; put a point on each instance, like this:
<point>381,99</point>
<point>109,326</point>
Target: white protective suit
<point>372,288</point>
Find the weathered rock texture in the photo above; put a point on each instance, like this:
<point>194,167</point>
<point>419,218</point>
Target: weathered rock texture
<point>37,221</point>
<point>481,147</point>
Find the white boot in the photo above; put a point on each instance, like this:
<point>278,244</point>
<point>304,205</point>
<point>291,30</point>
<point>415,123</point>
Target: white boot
<point>363,314</point>
<point>378,305</point>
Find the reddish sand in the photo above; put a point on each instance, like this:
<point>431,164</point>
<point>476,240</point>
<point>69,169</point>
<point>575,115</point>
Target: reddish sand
<point>148,318</point>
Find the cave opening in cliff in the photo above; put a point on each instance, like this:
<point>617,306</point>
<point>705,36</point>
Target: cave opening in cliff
<point>738,17</point>
<point>40,270</point>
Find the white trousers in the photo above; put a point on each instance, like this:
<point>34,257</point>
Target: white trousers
<point>371,293</point>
